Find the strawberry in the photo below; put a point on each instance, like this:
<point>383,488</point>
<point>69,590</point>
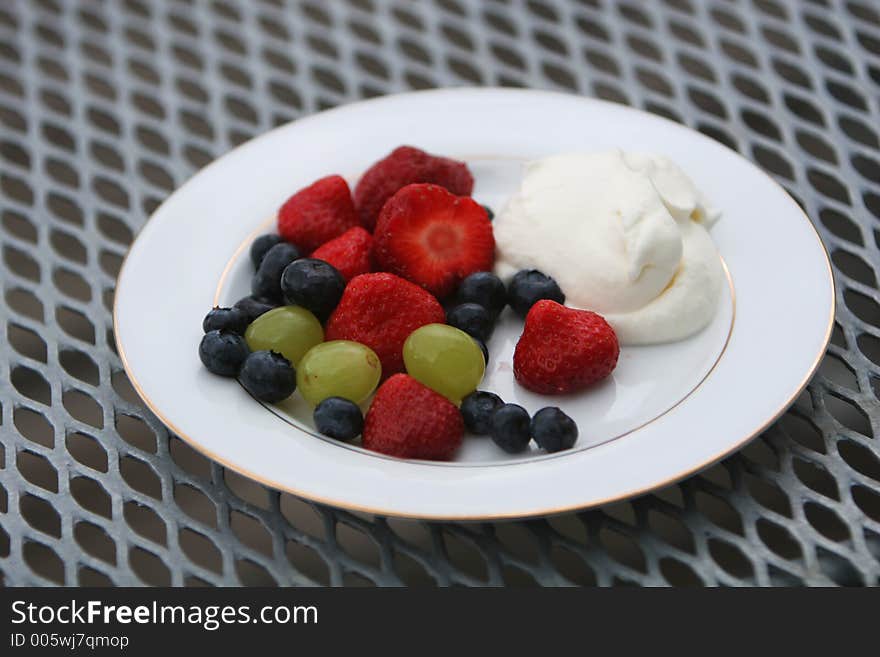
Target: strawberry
<point>317,213</point>
<point>434,238</point>
<point>351,253</point>
<point>563,349</point>
<point>411,421</point>
<point>381,310</point>
<point>406,165</point>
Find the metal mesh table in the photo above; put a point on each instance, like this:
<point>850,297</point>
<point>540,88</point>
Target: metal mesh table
<point>108,106</point>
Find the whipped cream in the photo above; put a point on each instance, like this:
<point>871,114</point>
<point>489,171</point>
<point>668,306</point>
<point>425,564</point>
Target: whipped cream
<point>624,234</point>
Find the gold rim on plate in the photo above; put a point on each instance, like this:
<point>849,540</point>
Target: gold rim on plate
<point>501,516</point>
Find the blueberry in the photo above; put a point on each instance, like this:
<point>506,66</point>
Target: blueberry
<point>471,318</point>
<point>267,281</point>
<point>268,376</point>
<point>231,319</point>
<point>253,307</point>
<point>489,212</point>
<point>223,352</point>
<point>510,428</point>
<point>553,430</point>
<point>484,288</point>
<point>261,245</point>
<point>477,410</point>
<point>484,349</point>
<point>339,418</point>
<point>530,286</point>
<point>313,284</point>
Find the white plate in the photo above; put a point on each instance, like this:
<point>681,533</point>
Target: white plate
<point>668,410</point>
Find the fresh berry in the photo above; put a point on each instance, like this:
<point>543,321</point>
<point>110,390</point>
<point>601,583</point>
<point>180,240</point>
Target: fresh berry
<point>471,318</point>
<point>339,418</point>
<point>313,284</point>
<point>351,253</point>
<point>484,288</point>
<point>553,430</point>
<point>288,330</point>
<point>433,238</point>
<point>511,428</point>
<point>409,420</point>
<point>317,213</point>
<point>563,349</point>
<point>223,352</point>
<point>253,307</point>
<point>445,359</point>
<point>484,349</point>
<point>381,310</point>
<point>489,212</point>
<point>261,245</point>
<point>268,376</point>
<point>403,166</point>
<point>477,410</point>
<point>267,281</point>
<point>338,368</point>
<point>530,286</point>
<point>231,319</point>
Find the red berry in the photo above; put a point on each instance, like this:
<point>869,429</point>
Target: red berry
<point>411,421</point>
<point>406,165</point>
<point>317,213</point>
<point>351,253</point>
<point>381,310</point>
<point>433,238</point>
<point>563,349</point>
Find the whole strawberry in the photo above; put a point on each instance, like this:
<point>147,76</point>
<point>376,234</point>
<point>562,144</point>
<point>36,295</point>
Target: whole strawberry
<point>403,166</point>
<point>381,310</point>
<point>351,253</point>
<point>317,213</point>
<point>563,350</point>
<point>433,238</point>
<point>411,421</point>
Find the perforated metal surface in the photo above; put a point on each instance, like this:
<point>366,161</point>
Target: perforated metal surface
<point>108,106</point>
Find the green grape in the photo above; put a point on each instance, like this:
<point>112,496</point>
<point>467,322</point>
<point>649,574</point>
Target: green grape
<point>339,368</point>
<point>289,330</point>
<point>445,359</point>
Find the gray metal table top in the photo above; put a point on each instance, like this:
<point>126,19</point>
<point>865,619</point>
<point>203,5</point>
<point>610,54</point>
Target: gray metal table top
<point>108,105</point>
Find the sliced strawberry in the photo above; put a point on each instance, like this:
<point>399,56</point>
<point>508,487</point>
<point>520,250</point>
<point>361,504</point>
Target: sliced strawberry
<point>317,213</point>
<point>351,253</point>
<point>403,166</point>
<point>433,238</point>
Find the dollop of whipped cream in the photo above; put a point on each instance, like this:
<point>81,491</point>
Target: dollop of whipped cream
<point>624,234</point>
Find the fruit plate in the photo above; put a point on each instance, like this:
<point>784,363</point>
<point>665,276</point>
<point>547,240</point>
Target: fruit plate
<point>667,411</point>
